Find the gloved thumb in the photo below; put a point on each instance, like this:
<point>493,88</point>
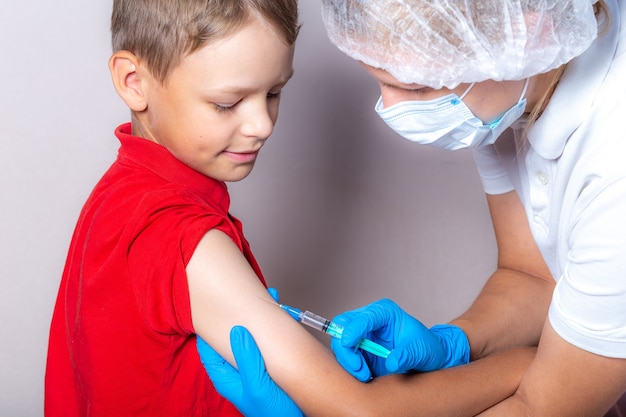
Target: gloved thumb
<point>248,357</point>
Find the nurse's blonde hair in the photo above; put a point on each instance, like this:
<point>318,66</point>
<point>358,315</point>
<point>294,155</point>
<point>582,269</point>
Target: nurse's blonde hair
<point>603,16</point>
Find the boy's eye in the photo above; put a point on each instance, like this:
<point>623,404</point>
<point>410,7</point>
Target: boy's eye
<point>222,108</point>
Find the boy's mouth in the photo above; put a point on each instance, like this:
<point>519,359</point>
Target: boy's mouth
<point>242,157</point>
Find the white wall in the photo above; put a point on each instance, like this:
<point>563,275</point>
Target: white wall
<point>339,210</point>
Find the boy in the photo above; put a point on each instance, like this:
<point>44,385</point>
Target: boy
<point>202,80</point>
<point>157,258</point>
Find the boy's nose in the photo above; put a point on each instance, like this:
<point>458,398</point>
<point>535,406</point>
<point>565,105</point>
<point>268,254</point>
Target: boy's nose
<point>259,122</point>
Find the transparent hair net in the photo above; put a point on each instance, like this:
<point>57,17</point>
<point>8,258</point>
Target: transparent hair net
<point>442,43</point>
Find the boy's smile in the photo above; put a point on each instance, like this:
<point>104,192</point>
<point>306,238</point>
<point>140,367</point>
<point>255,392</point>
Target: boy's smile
<point>219,105</point>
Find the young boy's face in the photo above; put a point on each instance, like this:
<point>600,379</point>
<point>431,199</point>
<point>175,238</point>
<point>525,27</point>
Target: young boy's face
<point>220,104</point>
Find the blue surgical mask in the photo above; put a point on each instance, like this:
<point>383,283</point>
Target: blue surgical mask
<point>446,122</point>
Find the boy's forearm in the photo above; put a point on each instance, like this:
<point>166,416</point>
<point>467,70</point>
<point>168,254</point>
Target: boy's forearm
<point>461,391</point>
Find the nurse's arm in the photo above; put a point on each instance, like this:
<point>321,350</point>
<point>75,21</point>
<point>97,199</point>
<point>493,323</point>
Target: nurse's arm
<point>225,292</point>
<point>564,380</point>
<point>512,307</point>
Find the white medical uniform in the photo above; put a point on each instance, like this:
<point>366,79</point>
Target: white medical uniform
<point>571,178</point>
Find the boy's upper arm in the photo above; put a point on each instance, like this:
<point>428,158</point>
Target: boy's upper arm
<point>224,292</point>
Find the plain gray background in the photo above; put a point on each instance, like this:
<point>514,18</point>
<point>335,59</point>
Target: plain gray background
<point>339,210</point>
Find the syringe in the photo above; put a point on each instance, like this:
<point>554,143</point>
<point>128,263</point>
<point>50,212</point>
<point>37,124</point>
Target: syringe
<point>333,329</point>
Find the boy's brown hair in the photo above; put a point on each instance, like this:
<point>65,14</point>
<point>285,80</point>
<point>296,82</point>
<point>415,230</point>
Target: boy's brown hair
<point>163,32</point>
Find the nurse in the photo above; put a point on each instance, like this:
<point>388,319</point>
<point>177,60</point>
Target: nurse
<point>536,89</point>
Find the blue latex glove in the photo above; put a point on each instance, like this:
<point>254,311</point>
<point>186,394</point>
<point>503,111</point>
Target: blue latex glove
<point>274,293</point>
<point>250,389</point>
<point>413,346</point>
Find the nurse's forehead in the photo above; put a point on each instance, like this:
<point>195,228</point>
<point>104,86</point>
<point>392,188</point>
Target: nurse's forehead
<point>384,77</point>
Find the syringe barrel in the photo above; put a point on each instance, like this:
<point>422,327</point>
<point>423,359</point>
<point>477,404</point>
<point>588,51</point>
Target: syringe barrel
<point>335,330</point>
<point>321,324</point>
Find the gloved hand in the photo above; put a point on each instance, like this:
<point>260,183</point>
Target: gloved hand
<point>413,346</point>
<point>250,389</point>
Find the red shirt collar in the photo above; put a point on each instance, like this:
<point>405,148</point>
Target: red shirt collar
<point>160,161</point>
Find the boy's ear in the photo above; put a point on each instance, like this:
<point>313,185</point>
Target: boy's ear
<point>123,66</point>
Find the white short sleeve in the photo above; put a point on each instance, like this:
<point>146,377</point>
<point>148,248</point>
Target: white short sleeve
<point>589,304</point>
<point>492,172</point>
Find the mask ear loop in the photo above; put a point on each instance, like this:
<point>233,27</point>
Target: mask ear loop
<point>457,100</point>
<point>467,91</point>
<point>521,97</point>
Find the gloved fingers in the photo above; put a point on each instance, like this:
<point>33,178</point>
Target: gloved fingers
<point>455,341</point>
<point>374,319</point>
<point>351,360</point>
<point>209,357</point>
<point>423,354</point>
<point>260,396</point>
<point>224,376</point>
<point>353,336</point>
<point>249,359</point>
<point>274,293</point>
<point>395,361</point>
<point>405,358</point>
